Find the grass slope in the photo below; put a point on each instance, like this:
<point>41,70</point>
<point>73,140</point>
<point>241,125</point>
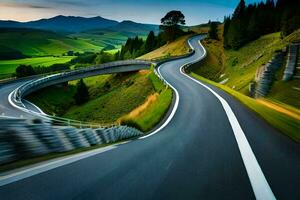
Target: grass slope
<point>32,42</point>
<point>124,96</point>
<point>147,116</point>
<point>9,66</point>
<point>239,67</point>
<point>176,48</point>
<point>54,100</point>
<point>283,93</point>
<point>281,106</point>
<point>288,125</point>
<point>107,39</point>
<point>213,62</point>
<point>112,98</point>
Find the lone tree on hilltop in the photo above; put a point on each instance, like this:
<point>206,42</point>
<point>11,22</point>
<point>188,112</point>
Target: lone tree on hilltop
<point>213,30</point>
<point>82,94</point>
<point>170,25</point>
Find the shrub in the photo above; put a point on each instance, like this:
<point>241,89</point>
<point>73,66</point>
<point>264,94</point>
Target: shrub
<point>24,70</point>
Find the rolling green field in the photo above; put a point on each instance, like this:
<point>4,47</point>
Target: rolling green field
<point>46,48</point>
<point>110,40</point>
<point>107,39</point>
<point>9,66</point>
<point>33,42</point>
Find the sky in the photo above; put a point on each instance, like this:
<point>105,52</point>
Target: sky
<point>144,11</point>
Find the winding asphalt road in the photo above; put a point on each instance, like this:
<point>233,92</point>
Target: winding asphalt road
<point>6,108</point>
<point>212,148</point>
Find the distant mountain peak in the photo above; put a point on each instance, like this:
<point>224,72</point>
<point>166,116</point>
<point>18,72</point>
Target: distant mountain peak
<point>75,24</point>
<point>127,21</point>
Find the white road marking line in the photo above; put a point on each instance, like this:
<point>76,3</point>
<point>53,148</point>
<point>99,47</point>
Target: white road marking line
<point>170,116</point>
<point>22,108</point>
<point>176,100</point>
<point>33,105</point>
<point>258,181</point>
<point>10,178</point>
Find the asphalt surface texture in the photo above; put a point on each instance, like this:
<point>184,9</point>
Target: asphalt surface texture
<point>6,109</point>
<point>195,156</point>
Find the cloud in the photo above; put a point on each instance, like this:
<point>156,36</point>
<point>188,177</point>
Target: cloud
<point>24,5</point>
<point>71,3</point>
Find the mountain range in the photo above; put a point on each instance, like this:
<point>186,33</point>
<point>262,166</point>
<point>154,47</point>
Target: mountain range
<point>72,24</point>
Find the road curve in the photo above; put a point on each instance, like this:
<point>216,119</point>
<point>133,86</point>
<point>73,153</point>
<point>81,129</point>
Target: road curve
<point>197,155</point>
<point>12,103</point>
<point>6,109</point>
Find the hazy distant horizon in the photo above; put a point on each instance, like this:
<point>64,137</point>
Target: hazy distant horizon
<point>150,12</point>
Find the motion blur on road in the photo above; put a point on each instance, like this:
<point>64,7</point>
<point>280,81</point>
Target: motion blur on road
<point>196,150</point>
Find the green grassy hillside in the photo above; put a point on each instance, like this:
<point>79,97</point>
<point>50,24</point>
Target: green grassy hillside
<point>176,48</point>
<point>236,69</point>
<point>288,125</point>
<point>9,66</point>
<point>109,39</point>
<point>239,67</point>
<point>112,98</point>
<point>122,96</point>
<point>106,39</point>
<point>32,42</point>
<point>151,112</point>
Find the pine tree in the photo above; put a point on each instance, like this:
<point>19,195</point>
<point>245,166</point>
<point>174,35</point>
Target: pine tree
<point>82,94</point>
<point>250,22</point>
<point>235,36</point>
<point>240,10</point>
<point>213,31</point>
<point>150,42</point>
<point>227,22</point>
<point>253,30</point>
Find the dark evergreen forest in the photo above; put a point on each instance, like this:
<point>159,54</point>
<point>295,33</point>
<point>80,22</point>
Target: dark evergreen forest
<point>249,22</point>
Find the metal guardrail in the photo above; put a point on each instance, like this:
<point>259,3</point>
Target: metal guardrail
<point>22,139</point>
<point>291,62</point>
<point>26,88</point>
<point>266,78</point>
